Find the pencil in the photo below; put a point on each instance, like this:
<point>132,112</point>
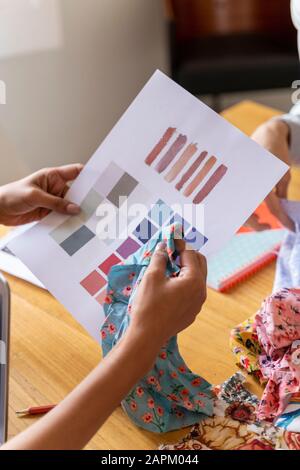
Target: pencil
<point>37,410</point>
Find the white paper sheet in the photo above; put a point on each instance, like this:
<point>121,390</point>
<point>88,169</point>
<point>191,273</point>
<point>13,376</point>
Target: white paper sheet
<point>73,275</point>
<point>10,264</point>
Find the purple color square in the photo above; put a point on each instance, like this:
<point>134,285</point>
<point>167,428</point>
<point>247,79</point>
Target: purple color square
<point>195,239</point>
<point>127,248</point>
<point>145,230</point>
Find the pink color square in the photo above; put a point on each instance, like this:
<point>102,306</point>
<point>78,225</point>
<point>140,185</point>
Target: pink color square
<point>93,283</point>
<point>101,297</point>
<point>109,263</point>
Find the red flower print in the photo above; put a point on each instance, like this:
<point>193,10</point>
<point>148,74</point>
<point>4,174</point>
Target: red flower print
<point>152,380</point>
<point>133,406</point>
<point>150,403</point>
<point>246,362</point>
<point>160,411</point>
<point>200,403</point>
<point>184,392</point>
<point>172,229</point>
<point>108,300</point>
<point>188,404</point>
<point>161,373</point>
<point>112,329</point>
<point>147,254</point>
<point>131,276</point>
<point>129,309</point>
<point>163,355</point>
<point>139,391</point>
<point>147,418</point>
<point>243,412</point>
<point>174,375</point>
<point>103,334</point>
<point>172,397</point>
<point>196,382</point>
<point>182,369</point>
<point>127,291</point>
<point>179,414</point>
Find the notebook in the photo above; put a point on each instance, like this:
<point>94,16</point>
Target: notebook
<point>248,252</point>
<point>244,255</point>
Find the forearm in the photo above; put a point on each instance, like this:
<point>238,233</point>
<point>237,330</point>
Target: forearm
<point>73,423</point>
<point>274,136</point>
<point>3,218</point>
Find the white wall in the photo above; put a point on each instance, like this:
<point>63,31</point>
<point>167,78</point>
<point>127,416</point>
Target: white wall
<point>61,103</point>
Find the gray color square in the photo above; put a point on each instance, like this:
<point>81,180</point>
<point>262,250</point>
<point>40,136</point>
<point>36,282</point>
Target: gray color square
<point>124,187</point>
<point>65,230</point>
<point>76,241</point>
<point>90,204</point>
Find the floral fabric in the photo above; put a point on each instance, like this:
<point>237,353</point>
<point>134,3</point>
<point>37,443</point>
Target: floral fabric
<point>278,331</point>
<point>170,396</point>
<point>245,346</point>
<point>234,425</point>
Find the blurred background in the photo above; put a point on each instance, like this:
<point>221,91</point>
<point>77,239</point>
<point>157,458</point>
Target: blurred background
<point>71,67</point>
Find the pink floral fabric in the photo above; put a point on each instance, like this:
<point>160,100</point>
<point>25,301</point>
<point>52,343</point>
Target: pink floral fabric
<point>278,331</point>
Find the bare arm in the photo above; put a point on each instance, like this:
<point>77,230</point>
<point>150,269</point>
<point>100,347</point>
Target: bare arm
<point>274,136</point>
<point>74,422</point>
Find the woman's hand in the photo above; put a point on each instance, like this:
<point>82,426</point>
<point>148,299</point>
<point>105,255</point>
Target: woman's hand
<point>274,137</point>
<point>33,197</point>
<point>164,306</point>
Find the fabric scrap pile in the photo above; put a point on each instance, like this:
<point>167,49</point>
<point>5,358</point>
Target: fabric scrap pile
<point>268,346</point>
<point>171,396</point>
<point>234,425</point>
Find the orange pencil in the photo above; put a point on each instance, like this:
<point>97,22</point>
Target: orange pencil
<point>37,410</point>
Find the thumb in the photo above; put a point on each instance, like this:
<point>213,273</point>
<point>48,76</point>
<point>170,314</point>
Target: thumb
<point>159,260</point>
<point>55,203</point>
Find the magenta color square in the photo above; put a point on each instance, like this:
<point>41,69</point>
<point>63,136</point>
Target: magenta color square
<point>101,297</point>
<point>127,248</point>
<point>109,263</point>
<point>93,283</point>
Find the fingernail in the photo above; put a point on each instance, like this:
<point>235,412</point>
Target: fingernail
<point>73,209</point>
<point>161,246</point>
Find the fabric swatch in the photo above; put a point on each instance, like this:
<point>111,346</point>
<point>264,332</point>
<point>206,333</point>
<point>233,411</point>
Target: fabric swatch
<point>170,396</point>
<point>234,425</point>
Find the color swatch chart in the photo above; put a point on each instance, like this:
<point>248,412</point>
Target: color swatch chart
<point>111,188</point>
<point>159,215</point>
<point>174,155</point>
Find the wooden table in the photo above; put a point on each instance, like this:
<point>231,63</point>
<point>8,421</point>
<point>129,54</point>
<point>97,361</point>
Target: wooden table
<point>51,353</point>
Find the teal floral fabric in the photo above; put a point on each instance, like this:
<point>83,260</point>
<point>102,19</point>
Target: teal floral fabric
<point>170,396</point>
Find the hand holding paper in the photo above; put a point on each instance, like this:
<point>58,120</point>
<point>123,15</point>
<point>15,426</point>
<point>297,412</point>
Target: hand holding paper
<point>33,197</point>
<point>171,159</point>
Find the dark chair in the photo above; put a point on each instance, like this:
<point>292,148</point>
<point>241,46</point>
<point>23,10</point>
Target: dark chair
<point>221,46</point>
